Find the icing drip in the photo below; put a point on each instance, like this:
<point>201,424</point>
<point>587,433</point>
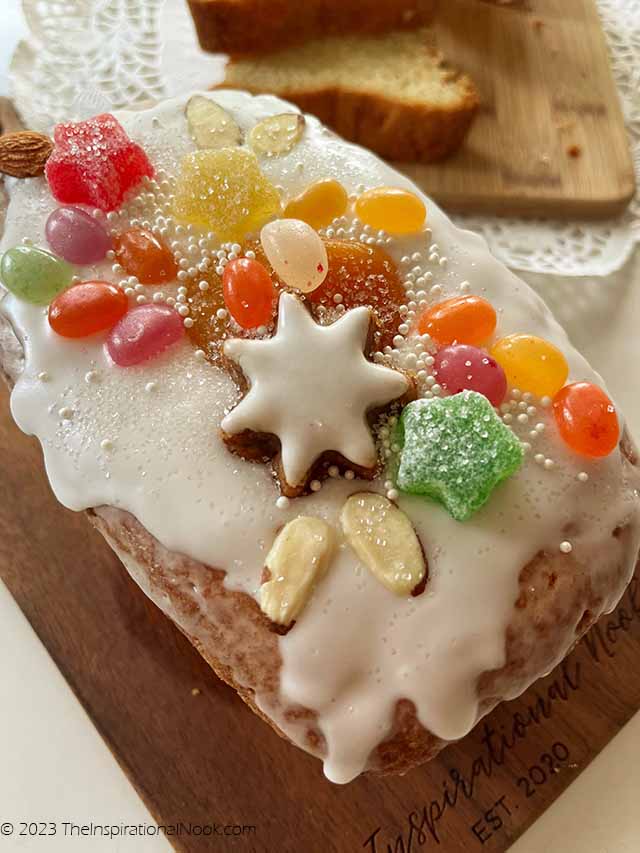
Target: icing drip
<point>146,439</point>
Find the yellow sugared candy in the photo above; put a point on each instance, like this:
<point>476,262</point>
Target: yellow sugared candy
<point>531,364</point>
<point>319,204</point>
<point>224,191</point>
<point>392,210</point>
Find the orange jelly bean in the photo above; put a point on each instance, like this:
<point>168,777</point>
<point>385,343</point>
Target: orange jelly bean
<point>248,293</point>
<point>461,320</point>
<point>86,308</point>
<point>586,419</point>
<point>391,209</point>
<point>319,204</point>
<point>145,256</point>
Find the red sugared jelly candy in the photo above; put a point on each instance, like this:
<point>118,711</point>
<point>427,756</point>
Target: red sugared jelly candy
<point>144,255</point>
<point>87,308</point>
<point>94,162</point>
<point>248,293</point>
<point>586,419</point>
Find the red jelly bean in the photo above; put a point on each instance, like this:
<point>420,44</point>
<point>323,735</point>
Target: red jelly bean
<point>586,419</point>
<point>143,333</point>
<point>142,254</point>
<point>94,162</point>
<point>466,368</point>
<point>86,308</point>
<point>462,320</point>
<point>248,293</point>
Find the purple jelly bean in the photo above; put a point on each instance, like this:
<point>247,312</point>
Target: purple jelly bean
<point>143,333</point>
<point>76,236</point>
<point>462,367</point>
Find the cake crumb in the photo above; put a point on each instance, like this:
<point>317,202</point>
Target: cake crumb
<point>574,151</point>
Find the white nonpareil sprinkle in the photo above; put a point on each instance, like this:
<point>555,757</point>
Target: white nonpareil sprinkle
<point>349,475</point>
<point>91,376</point>
<point>333,471</point>
<point>282,502</point>
<point>106,444</point>
<point>65,413</point>
<point>583,476</point>
<point>315,485</point>
<point>150,387</point>
<point>188,322</point>
<point>44,376</point>
<point>566,547</point>
<point>392,495</point>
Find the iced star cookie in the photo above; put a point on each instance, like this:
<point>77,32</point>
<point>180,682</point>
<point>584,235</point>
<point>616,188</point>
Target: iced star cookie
<point>351,455</point>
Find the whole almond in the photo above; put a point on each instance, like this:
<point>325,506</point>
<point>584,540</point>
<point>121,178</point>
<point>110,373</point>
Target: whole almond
<point>24,153</point>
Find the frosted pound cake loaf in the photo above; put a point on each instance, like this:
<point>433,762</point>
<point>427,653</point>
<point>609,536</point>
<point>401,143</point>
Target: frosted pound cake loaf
<point>345,450</point>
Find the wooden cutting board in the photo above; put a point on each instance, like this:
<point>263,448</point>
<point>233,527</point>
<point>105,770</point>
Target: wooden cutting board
<point>200,758</point>
<point>549,139</point>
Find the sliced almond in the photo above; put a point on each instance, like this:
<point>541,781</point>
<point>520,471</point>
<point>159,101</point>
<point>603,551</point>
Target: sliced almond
<point>298,558</point>
<point>384,539</point>
<point>277,134</point>
<point>210,125</point>
<point>24,153</point>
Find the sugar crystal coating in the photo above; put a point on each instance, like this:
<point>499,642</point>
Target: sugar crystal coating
<point>455,450</point>
<point>224,191</point>
<point>94,162</point>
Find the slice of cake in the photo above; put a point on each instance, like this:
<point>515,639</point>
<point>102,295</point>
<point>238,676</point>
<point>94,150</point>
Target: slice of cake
<point>261,26</point>
<point>392,93</point>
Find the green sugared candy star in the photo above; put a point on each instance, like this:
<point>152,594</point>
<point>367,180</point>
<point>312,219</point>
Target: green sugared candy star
<point>34,275</point>
<point>455,450</point>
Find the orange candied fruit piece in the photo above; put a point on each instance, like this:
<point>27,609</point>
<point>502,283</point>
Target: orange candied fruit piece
<point>362,275</point>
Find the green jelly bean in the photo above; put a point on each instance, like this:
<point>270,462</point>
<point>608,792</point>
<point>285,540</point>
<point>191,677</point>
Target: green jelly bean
<point>34,275</point>
<point>455,451</point>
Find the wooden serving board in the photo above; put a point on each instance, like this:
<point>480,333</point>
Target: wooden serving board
<point>549,139</point>
<point>200,758</point>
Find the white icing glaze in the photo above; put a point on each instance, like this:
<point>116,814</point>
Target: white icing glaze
<point>146,439</point>
<point>294,391</point>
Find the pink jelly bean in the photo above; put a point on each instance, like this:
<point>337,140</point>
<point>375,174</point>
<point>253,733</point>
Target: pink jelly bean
<point>76,236</point>
<point>143,333</point>
<point>465,368</point>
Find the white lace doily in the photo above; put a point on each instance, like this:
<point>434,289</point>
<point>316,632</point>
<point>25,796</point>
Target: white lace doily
<point>86,55</point>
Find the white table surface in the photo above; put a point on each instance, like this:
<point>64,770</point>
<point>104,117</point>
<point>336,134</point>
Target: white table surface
<point>55,767</point>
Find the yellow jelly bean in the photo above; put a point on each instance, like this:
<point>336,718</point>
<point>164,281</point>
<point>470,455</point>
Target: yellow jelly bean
<point>224,191</point>
<point>531,364</point>
<point>391,209</point>
<point>319,204</point>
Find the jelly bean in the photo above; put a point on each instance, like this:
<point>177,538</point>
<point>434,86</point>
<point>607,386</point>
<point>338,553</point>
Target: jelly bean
<point>76,236</point>
<point>461,319</point>
<point>94,162</point>
<point>455,450</point>
<point>296,253</point>
<point>34,275</point>
<point>248,293</point>
<point>224,191</point>
<point>145,256</point>
<point>531,364</point>
<point>463,367</point>
<point>86,308</point>
<point>586,419</point>
<point>319,204</point>
<point>391,209</point>
<point>144,332</point>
